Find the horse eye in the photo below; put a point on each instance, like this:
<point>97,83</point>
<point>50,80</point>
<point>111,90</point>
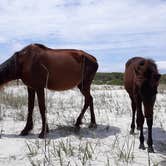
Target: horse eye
<point>141,63</point>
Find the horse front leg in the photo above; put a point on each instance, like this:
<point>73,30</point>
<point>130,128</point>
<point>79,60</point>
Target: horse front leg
<point>148,110</point>
<point>29,124</point>
<point>140,123</point>
<point>42,108</point>
<point>150,141</point>
<point>133,105</point>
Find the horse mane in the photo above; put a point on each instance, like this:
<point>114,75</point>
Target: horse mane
<point>41,46</point>
<point>130,61</point>
<point>46,48</point>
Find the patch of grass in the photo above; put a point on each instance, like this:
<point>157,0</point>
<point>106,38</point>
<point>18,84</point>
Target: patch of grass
<point>14,101</point>
<point>61,152</point>
<point>123,150</point>
<point>33,148</point>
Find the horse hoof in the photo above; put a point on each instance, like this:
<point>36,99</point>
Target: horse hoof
<point>132,131</point>
<point>141,146</point>
<point>42,135</point>
<point>77,124</point>
<point>138,128</point>
<point>93,126</point>
<point>24,133</point>
<point>47,129</point>
<point>150,149</point>
<point>77,129</point>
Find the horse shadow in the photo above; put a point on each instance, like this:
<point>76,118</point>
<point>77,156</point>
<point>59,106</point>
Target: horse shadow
<point>102,131</point>
<point>159,140</point>
<point>60,131</point>
<point>159,135</point>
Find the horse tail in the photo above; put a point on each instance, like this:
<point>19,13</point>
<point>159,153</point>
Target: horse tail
<point>89,67</point>
<point>9,70</point>
<point>92,61</point>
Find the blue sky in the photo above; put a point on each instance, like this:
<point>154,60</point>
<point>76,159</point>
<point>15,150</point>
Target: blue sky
<point>111,30</point>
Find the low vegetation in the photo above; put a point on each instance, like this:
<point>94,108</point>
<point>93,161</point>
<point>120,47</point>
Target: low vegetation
<point>116,78</point>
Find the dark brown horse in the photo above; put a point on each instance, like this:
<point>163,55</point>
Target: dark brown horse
<point>141,80</point>
<point>40,67</point>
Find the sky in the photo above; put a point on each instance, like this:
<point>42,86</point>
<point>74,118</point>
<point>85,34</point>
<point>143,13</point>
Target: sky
<point>111,30</point>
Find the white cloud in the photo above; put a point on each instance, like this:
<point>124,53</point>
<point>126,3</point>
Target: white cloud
<point>1,58</point>
<point>85,21</point>
<point>2,40</point>
<point>161,65</point>
<point>113,67</point>
<point>16,46</point>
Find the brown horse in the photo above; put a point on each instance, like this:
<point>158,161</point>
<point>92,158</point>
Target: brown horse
<point>141,80</point>
<point>40,67</point>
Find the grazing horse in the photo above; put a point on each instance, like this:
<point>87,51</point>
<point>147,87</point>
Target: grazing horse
<point>141,80</point>
<point>40,67</point>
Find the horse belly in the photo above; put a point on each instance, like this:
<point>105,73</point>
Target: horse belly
<point>64,79</point>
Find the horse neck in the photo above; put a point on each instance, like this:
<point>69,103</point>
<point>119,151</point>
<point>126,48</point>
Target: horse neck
<point>8,70</point>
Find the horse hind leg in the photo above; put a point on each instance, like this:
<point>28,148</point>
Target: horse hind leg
<point>89,71</point>
<point>84,87</point>
<point>88,102</point>
<point>93,119</point>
